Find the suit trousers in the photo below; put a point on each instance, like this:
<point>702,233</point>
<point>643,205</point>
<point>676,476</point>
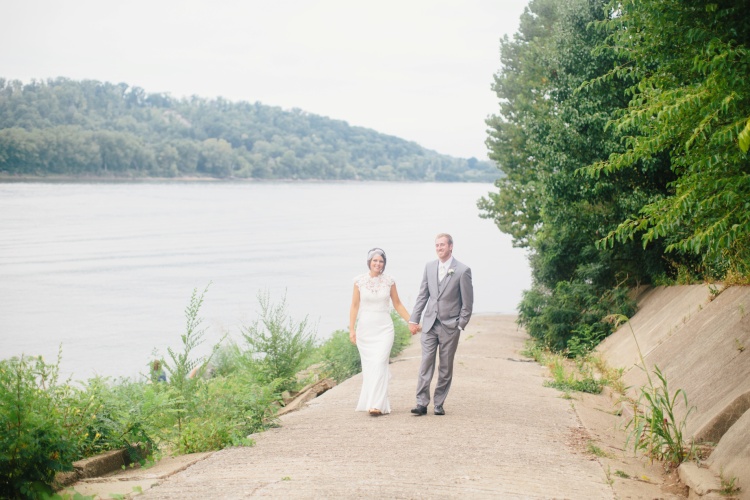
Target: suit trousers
<point>440,341</point>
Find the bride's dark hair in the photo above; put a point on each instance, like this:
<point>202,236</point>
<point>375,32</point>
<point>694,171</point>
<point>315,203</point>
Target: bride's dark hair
<point>372,253</point>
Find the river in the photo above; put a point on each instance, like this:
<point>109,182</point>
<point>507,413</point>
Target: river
<point>106,270</point>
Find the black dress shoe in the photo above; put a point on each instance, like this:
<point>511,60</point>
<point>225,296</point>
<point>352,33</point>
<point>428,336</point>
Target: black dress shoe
<point>419,410</point>
<point>439,410</point>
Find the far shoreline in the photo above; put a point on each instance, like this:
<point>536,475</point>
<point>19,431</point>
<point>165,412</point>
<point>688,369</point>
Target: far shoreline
<point>94,179</point>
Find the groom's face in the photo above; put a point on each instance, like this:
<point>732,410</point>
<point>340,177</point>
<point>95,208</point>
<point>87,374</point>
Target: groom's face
<point>443,249</point>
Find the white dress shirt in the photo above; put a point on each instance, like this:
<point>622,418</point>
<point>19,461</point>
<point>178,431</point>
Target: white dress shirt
<point>446,265</point>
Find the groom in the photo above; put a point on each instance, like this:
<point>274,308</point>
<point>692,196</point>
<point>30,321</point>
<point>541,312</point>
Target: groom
<point>446,296</point>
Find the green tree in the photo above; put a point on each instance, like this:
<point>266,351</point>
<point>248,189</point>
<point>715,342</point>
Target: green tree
<point>689,108</point>
<point>547,129</point>
<point>217,158</point>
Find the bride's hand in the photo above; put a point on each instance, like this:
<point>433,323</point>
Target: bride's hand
<point>353,338</point>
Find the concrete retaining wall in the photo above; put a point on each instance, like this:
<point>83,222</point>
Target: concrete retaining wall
<point>96,466</point>
<point>701,343</point>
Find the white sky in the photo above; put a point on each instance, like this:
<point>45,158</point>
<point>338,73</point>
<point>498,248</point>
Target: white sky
<point>416,69</point>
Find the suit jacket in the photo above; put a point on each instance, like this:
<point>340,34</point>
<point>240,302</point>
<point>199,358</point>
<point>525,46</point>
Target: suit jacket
<point>451,301</point>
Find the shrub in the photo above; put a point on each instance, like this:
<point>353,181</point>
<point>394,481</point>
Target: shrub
<point>38,435</point>
<point>227,410</point>
<point>278,347</point>
<point>340,357</point>
<point>572,316</point>
<point>132,415</point>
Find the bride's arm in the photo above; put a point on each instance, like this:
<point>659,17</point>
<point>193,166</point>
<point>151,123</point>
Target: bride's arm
<point>397,305</point>
<point>353,311</point>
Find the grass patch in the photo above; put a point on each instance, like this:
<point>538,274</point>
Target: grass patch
<point>577,375</point>
<point>595,450</point>
<point>729,486</point>
<point>590,386</point>
<point>656,429</point>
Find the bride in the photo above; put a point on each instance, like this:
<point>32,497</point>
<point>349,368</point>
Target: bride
<point>371,329</point>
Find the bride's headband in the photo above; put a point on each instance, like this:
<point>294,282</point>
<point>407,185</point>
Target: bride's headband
<point>375,251</point>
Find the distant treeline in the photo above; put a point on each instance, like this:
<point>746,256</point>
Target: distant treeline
<point>82,128</point>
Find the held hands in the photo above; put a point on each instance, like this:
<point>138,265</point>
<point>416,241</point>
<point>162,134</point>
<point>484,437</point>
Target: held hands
<point>414,328</point>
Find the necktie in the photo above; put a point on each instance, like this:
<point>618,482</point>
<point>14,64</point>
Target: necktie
<point>441,272</point>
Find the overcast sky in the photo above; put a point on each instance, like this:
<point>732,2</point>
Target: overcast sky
<point>416,69</point>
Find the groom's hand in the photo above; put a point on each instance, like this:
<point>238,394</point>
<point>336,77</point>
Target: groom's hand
<point>413,328</point>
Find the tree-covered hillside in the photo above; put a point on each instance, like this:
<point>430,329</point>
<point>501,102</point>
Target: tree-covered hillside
<point>66,127</point>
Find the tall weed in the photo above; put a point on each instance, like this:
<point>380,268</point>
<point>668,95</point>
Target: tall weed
<point>655,428</point>
<point>278,346</point>
<point>186,371</point>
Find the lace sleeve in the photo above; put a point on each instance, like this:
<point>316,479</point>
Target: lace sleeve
<point>358,280</point>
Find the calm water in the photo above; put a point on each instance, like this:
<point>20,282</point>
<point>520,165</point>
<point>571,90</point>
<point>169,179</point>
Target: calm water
<point>106,270</point>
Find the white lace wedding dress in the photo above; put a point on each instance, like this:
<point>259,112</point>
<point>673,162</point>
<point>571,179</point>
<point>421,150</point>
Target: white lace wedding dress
<point>374,340</point>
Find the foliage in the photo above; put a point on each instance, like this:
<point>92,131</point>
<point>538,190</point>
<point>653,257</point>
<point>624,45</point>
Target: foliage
<point>206,403</point>
<point>572,318</point>
<point>729,486</point>
<point>182,365</point>
<point>340,357</point>
<point>66,127</point>
<point>184,371</point>
<point>132,415</point>
<point>595,450</point>
<point>278,347</point>
<point>40,431</point>
<point>563,383</point>
<point>564,378</point>
<point>47,425</point>
<point>655,427</point>
<point>226,410</point>
<point>689,109</point>
<point>580,380</point>
<point>620,154</point>
<point>548,126</point>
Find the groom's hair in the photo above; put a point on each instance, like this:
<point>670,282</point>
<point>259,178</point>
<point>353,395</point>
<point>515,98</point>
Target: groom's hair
<point>372,253</point>
<point>445,235</point>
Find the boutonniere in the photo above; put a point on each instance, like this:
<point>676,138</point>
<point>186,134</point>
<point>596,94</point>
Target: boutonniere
<point>451,271</point>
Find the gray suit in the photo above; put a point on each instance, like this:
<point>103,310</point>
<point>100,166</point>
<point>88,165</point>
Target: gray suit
<point>447,307</point>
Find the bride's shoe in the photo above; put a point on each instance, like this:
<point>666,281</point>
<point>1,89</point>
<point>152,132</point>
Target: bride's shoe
<point>375,412</point>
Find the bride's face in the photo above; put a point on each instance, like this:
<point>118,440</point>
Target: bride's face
<point>376,265</point>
